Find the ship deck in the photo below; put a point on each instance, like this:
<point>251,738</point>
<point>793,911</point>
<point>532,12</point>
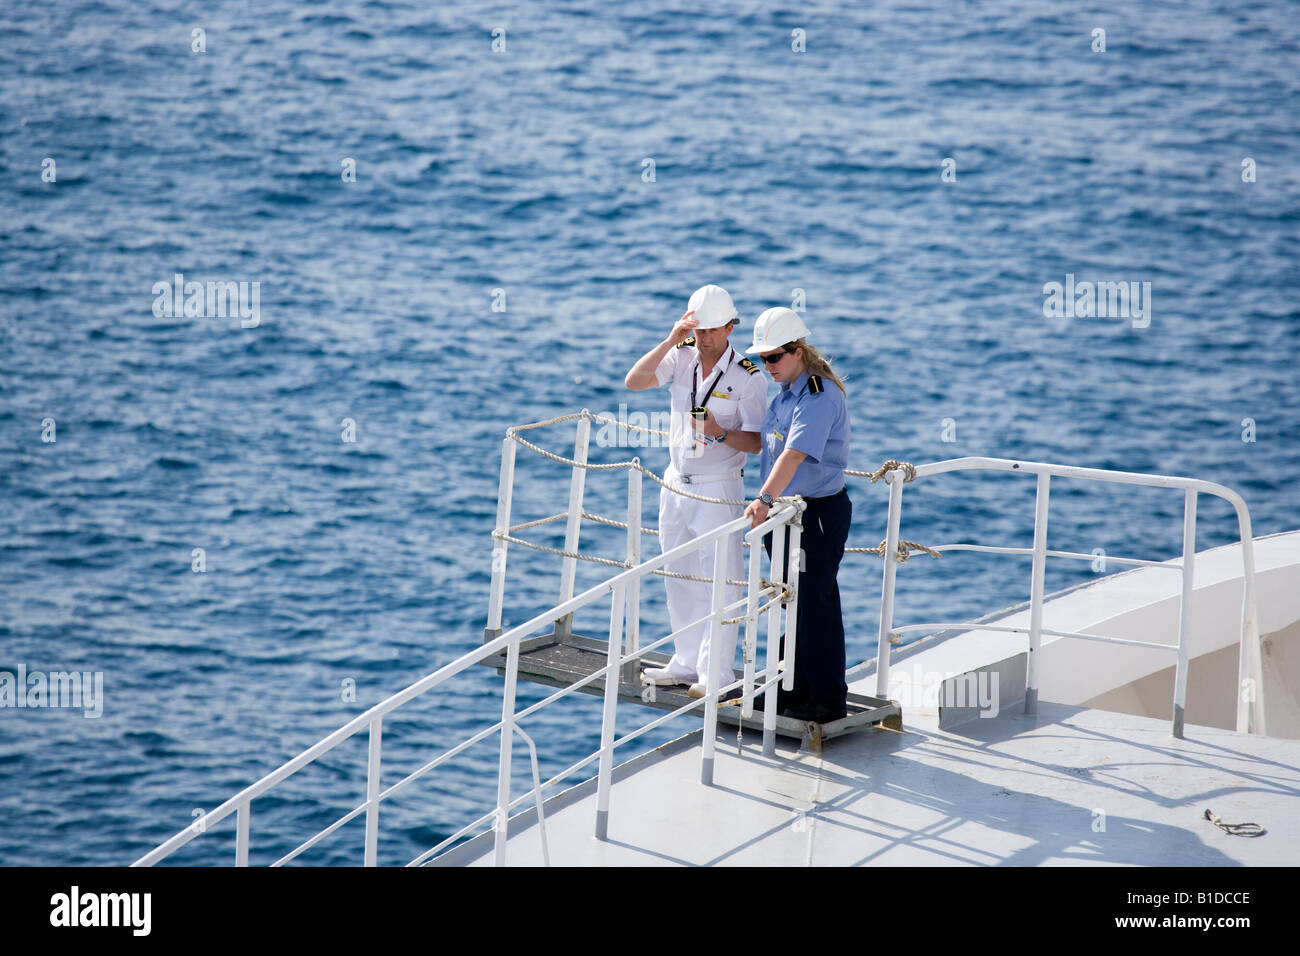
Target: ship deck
<point>1069,786</point>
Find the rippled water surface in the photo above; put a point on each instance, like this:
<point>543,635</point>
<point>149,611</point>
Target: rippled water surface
<point>333,564</point>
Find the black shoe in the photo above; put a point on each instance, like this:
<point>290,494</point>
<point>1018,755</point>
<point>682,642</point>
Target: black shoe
<point>760,701</point>
<point>815,714</point>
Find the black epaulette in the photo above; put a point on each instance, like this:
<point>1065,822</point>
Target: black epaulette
<point>685,342</point>
<point>748,366</point>
<point>814,384</point>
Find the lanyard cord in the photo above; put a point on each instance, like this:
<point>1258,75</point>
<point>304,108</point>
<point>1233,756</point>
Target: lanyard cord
<point>695,382</point>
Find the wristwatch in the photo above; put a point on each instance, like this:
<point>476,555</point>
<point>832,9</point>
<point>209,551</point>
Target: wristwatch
<point>766,499</point>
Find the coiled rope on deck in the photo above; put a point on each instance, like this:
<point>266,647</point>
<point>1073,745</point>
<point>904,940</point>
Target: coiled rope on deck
<point>1234,829</point>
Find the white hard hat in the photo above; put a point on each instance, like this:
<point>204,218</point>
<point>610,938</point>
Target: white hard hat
<point>713,307</point>
<point>775,328</point>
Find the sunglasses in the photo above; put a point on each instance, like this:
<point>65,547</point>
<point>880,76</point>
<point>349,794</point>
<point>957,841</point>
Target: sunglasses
<point>773,359</point>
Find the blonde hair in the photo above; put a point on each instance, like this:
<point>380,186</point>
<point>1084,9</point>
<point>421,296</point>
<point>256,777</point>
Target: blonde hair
<point>816,363</point>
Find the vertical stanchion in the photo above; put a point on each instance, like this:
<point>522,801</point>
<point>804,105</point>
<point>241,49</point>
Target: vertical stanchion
<point>890,574</point>
<point>1250,668</point>
<point>751,624</point>
<point>610,712</point>
<point>502,822</point>
<point>372,790</point>
<point>792,610</point>
<point>569,570</point>
<point>537,795</point>
<point>712,683</point>
<point>1185,608</point>
<point>633,625</point>
<point>774,616</point>
<point>1036,591</point>
<point>241,834</point>
<point>505,492</point>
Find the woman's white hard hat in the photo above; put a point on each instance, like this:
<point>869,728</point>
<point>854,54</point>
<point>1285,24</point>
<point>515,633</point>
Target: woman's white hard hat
<point>775,328</point>
<point>712,306</point>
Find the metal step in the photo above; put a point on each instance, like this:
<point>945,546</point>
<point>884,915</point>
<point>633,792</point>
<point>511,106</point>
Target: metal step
<point>560,659</point>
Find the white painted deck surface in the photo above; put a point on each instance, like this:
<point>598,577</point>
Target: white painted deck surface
<point>1006,790</point>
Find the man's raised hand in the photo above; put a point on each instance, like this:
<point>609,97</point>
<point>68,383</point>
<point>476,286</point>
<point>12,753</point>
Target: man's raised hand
<point>684,327</point>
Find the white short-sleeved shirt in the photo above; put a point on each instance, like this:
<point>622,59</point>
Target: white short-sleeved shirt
<point>738,400</point>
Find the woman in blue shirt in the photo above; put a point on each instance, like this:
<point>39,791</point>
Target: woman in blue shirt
<point>805,448</point>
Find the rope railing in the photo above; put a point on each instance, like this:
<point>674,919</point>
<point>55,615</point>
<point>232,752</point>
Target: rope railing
<point>532,524</point>
<point>905,548</point>
<point>908,469</point>
<point>511,433</point>
<point>595,559</point>
<point>610,562</point>
<point>600,519</point>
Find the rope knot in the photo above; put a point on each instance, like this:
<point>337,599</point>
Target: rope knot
<point>909,470</point>
<point>905,550</point>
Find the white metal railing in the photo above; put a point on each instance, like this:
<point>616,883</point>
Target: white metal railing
<point>1250,698</point>
<point>780,611</point>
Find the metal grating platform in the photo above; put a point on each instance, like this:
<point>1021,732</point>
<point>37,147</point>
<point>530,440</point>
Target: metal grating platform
<point>559,660</point>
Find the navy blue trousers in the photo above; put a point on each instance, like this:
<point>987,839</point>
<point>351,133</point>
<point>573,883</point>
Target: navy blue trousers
<point>819,661</point>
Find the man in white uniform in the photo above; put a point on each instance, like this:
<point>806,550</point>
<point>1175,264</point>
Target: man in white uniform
<point>707,451</point>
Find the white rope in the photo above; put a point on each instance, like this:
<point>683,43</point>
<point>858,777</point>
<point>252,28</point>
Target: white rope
<point>909,471</point>
<point>690,494</point>
<point>568,461</point>
<point>550,421</point>
<point>1235,829</point>
<point>564,554</point>
<point>610,521</point>
<point>629,427</point>
<point>784,598</point>
<point>905,549</point>
<point>595,559</point>
<point>533,524</point>
<point>600,519</point>
<point>612,466</point>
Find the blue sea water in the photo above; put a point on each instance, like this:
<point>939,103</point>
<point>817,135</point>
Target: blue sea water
<point>520,178</point>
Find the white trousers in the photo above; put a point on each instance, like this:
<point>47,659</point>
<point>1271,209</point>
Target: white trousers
<point>680,520</point>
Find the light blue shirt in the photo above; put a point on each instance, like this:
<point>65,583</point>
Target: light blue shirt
<point>816,424</point>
